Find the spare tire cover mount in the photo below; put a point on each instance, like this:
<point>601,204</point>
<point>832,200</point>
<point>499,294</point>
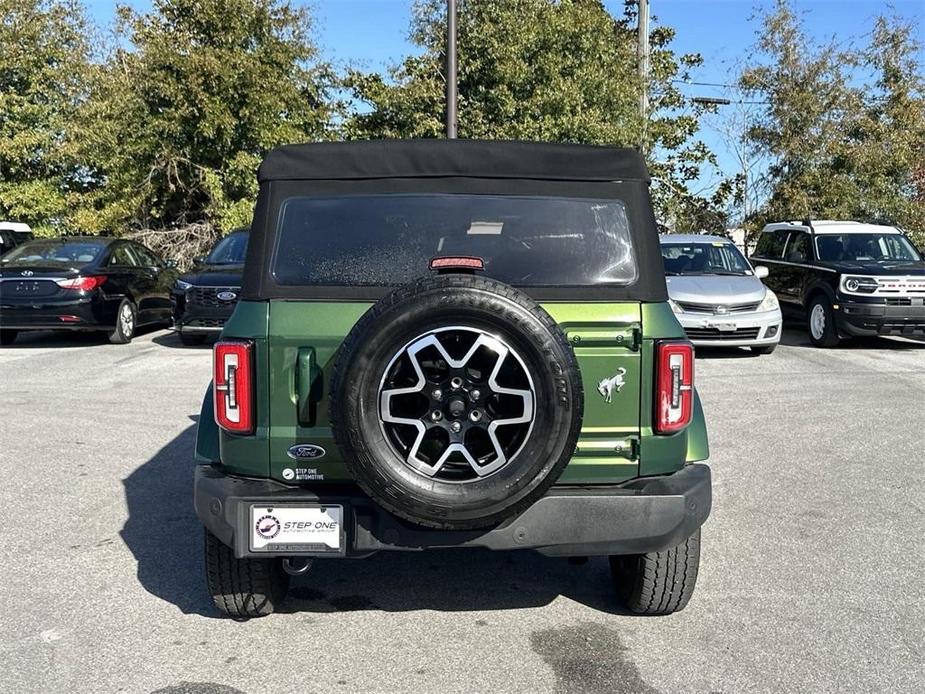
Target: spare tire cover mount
<point>456,401</point>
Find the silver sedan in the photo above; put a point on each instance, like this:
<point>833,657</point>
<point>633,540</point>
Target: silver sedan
<point>718,296</point>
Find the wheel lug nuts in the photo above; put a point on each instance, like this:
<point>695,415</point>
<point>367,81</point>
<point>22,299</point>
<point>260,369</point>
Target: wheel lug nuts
<point>456,426</point>
<point>436,415</point>
<point>437,394</point>
<point>475,415</point>
<point>474,394</point>
<point>456,383</point>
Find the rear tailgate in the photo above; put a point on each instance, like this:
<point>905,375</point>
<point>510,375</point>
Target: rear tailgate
<point>304,337</point>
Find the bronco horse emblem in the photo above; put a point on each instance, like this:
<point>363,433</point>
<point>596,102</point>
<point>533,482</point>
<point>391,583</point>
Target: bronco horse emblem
<point>608,385</point>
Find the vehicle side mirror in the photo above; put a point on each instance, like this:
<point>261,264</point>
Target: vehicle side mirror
<point>170,264</point>
<point>761,271</point>
<point>199,259</point>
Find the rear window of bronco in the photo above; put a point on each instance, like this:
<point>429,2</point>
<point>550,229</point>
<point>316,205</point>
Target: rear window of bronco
<point>389,239</point>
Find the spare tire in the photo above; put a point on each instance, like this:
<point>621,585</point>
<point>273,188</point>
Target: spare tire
<point>456,401</point>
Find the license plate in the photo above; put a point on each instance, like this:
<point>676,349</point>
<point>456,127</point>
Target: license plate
<point>314,528</point>
<point>724,327</point>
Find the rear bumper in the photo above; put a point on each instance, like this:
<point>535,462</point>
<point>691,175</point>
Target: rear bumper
<point>83,313</point>
<point>864,319</point>
<point>644,515</point>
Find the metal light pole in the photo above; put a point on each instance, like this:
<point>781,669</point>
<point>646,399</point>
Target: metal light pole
<point>451,69</point>
<point>642,55</point>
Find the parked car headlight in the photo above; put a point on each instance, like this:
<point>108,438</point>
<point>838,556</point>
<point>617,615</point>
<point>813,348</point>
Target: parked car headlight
<point>675,306</point>
<point>181,286</point>
<point>867,285</point>
<point>769,302</point>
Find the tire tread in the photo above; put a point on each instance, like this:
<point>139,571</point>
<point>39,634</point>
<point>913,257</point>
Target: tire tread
<point>658,583</point>
<point>242,588</point>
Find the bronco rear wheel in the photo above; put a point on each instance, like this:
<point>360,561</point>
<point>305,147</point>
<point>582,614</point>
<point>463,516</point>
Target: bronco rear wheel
<point>658,583</point>
<point>456,402</point>
<point>243,588</point>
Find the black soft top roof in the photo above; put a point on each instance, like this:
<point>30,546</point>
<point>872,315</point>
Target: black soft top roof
<point>452,158</point>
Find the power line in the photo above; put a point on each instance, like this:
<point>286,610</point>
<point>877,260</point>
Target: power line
<point>707,84</point>
<point>869,100</point>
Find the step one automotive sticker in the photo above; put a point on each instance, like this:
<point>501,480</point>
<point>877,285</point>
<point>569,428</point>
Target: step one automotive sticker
<point>302,474</point>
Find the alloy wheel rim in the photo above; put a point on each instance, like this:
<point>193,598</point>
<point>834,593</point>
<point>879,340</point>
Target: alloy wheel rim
<point>457,404</point>
<point>127,320</point>
<point>817,321</point>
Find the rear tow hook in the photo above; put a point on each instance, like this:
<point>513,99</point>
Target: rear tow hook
<point>297,566</point>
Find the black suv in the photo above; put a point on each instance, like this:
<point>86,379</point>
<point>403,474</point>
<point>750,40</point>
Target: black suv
<point>205,297</point>
<point>846,279</point>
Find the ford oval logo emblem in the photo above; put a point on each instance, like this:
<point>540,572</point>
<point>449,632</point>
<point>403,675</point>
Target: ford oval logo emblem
<point>305,451</point>
<point>226,296</point>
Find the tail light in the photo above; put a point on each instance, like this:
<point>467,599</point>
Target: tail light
<point>82,283</point>
<point>674,386</point>
<point>233,386</point>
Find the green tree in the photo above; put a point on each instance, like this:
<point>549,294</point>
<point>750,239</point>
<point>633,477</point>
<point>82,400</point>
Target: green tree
<point>890,137</point>
<point>843,128</point>
<point>801,130</point>
<point>183,112</point>
<point>44,59</point>
<point>552,70</point>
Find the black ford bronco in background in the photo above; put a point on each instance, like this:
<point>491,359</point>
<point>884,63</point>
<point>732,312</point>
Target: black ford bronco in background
<point>452,344</point>
<point>845,279</point>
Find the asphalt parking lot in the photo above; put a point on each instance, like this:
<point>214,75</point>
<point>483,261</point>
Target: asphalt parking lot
<point>811,577</point>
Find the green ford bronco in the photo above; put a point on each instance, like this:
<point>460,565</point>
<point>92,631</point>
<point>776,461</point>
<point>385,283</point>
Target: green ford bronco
<point>449,343</point>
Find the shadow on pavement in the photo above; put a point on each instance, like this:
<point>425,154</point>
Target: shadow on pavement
<point>450,580</point>
<point>795,337</point>
<point>725,353</point>
<point>162,532</point>
<point>165,537</point>
<point>29,339</point>
<point>172,339</point>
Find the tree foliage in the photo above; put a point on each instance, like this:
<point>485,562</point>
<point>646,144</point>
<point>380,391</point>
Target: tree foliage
<point>168,127</point>
<point>185,108</point>
<point>843,128</point>
<point>44,60</point>
<point>549,70</point>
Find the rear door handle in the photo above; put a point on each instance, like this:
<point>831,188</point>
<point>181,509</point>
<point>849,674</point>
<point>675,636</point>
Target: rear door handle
<point>308,385</point>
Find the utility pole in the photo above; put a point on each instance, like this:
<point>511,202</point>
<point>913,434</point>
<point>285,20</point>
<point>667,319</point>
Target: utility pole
<point>642,55</point>
<point>451,69</point>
